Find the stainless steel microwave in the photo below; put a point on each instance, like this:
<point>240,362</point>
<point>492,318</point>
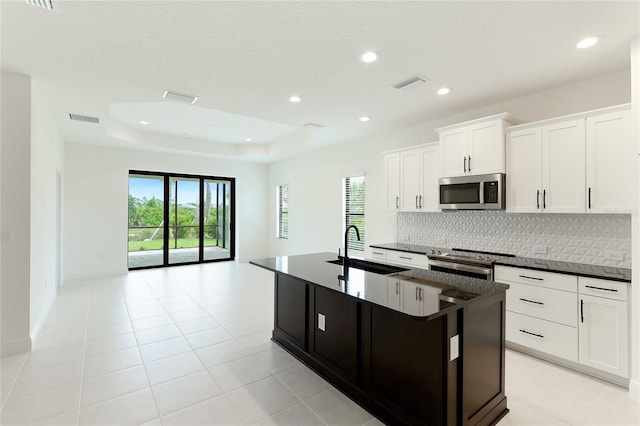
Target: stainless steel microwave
<point>480,192</point>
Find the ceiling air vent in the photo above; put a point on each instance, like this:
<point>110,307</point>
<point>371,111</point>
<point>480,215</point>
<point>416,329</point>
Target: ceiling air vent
<point>85,118</point>
<point>45,4</point>
<point>410,82</point>
<point>316,125</point>
<point>180,97</point>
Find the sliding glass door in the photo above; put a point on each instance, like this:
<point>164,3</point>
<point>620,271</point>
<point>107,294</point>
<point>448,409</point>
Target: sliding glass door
<point>192,219</point>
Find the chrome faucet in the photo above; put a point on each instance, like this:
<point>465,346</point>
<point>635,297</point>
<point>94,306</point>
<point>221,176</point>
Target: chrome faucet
<point>345,259</point>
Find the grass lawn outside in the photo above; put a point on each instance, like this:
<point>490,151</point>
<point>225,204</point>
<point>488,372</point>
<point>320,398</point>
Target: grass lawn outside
<point>181,243</point>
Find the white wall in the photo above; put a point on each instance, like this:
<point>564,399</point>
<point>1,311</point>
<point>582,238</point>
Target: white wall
<point>634,386</point>
<point>47,157</point>
<point>15,194</point>
<point>96,194</point>
<point>314,178</point>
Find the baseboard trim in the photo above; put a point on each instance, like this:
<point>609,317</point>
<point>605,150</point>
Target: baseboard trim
<point>15,347</point>
<point>634,389</point>
<point>35,333</point>
<point>69,278</point>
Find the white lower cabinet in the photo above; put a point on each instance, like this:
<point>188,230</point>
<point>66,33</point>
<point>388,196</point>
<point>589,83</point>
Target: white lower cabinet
<point>603,331</point>
<point>409,259</point>
<point>579,319</point>
<point>542,335</point>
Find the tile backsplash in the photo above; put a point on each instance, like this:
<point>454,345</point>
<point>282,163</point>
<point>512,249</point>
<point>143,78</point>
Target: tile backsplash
<point>582,238</point>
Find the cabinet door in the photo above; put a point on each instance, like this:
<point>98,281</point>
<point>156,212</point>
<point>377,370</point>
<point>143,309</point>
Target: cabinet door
<point>409,180</point>
<point>602,333</point>
<point>524,171</point>
<point>335,343</point>
<point>563,160</point>
<point>291,310</point>
<point>610,161</point>
<point>486,148</point>
<point>429,170</point>
<point>392,175</point>
<point>411,302</point>
<point>453,152</point>
<point>393,294</point>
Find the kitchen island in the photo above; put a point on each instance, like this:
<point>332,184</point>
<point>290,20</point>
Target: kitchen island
<point>412,346</point>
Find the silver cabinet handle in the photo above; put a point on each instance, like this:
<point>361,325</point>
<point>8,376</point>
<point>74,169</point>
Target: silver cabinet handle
<point>531,301</point>
<point>531,334</point>
<point>465,164</point>
<point>538,199</point>
<point>406,258</point>
<point>416,293</point>
<point>416,201</point>
<point>378,253</point>
<point>531,278</point>
<point>397,201</point>
<point>469,163</point>
<point>421,201</point>
<point>544,198</point>
<point>420,293</point>
<point>397,287</point>
<point>589,197</point>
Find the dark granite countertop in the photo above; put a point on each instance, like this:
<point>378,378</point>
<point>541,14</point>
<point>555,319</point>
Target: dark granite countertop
<point>409,248</point>
<point>442,292</point>
<point>594,271</point>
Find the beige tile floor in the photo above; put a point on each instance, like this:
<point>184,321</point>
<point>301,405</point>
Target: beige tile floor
<point>190,346</point>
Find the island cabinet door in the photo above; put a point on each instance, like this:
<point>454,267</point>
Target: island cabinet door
<point>290,315</point>
<point>334,339</point>
<point>405,365</point>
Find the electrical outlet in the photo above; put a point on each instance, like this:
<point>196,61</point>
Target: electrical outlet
<point>321,321</point>
<point>540,249</point>
<point>454,348</point>
<point>615,255</point>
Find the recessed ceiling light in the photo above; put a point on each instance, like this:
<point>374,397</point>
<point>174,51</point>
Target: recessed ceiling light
<point>295,99</point>
<point>144,122</point>
<point>248,139</point>
<point>587,42</point>
<point>444,91</point>
<point>369,57</point>
<point>365,118</point>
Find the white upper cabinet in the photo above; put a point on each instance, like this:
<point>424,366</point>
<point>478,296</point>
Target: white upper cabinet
<point>610,156</point>
<point>392,176</point>
<point>474,147</point>
<point>577,164</point>
<point>524,170</point>
<point>563,167</point>
<point>429,173</point>
<point>412,179</point>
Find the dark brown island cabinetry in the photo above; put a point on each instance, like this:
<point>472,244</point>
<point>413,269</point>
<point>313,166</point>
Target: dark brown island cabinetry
<point>442,367</point>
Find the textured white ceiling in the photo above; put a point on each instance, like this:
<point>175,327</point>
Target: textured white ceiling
<point>114,59</point>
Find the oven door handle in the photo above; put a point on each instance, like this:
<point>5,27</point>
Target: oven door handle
<point>462,267</point>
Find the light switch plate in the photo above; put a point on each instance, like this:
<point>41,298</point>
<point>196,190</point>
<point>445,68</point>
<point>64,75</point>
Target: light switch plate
<point>321,321</point>
<point>454,348</point>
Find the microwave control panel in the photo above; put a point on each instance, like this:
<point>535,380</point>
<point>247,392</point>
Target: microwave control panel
<point>491,192</point>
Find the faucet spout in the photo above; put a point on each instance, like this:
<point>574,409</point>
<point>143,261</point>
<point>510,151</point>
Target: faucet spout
<point>345,259</point>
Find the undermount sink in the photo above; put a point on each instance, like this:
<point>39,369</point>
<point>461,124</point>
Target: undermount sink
<point>365,265</point>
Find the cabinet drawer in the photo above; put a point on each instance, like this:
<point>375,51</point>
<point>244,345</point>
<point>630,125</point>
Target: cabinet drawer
<point>545,336</point>
<point>544,303</point>
<point>406,258</point>
<point>603,288</point>
<point>510,274</point>
<point>378,254</point>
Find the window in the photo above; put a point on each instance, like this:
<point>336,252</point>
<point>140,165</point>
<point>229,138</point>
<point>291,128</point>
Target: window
<point>282,211</point>
<point>354,209</point>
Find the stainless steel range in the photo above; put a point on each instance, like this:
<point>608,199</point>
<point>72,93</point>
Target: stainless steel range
<point>471,263</point>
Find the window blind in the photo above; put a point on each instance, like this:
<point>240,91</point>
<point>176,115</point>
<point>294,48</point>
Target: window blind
<point>354,209</point>
<point>282,211</point>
